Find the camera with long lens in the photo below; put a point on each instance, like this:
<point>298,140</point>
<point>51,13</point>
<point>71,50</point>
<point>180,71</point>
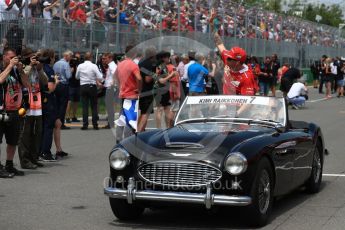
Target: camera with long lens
<point>25,61</point>
<point>4,117</point>
<point>43,60</point>
<point>39,58</point>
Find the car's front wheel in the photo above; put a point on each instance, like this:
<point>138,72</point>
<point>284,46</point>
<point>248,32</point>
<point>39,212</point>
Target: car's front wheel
<point>313,184</point>
<point>262,195</point>
<point>124,211</point>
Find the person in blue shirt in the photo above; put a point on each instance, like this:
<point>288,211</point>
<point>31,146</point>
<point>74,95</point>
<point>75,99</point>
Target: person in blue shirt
<point>124,18</point>
<point>63,70</point>
<point>197,75</point>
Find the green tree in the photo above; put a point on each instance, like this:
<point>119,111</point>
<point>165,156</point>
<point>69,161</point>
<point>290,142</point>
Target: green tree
<point>310,13</point>
<point>331,15</point>
<point>273,5</point>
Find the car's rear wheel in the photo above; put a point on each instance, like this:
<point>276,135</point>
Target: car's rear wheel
<point>313,184</point>
<point>124,211</point>
<point>262,195</point>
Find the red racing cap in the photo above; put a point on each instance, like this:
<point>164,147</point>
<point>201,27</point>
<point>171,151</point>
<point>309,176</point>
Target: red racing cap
<point>236,53</point>
<point>8,2</point>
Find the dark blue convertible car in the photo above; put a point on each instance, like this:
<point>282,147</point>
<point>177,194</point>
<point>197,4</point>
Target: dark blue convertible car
<point>222,151</point>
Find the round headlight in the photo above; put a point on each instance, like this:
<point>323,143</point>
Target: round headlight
<point>119,159</point>
<point>236,164</point>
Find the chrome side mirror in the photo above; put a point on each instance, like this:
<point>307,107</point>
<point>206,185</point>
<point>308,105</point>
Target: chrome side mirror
<point>280,128</point>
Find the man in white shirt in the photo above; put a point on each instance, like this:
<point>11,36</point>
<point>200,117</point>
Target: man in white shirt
<point>184,79</point>
<point>181,70</point>
<point>90,77</point>
<point>110,93</point>
<point>334,71</point>
<point>297,94</point>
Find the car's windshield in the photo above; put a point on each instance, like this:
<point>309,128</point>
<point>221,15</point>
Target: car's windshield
<point>232,108</point>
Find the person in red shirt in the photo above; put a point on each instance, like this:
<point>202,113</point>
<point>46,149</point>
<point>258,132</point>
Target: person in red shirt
<point>72,9</point>
<point>128,79</point>
<point>80,14</point>
<point>98,11</point>
<point>127,76</point>
<point>238,78</point>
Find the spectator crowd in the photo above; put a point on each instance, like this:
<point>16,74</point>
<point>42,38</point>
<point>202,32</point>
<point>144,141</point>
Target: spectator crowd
<point>233,19</point>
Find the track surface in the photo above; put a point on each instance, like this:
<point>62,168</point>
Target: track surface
<point>68,194</point>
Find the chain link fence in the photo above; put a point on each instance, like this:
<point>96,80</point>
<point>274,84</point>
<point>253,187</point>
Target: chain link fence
<point>102,37</point>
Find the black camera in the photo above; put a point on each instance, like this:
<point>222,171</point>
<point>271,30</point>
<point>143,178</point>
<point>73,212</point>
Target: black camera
<point>4,117</point>
<point>44,60</point>
<point>25,61</point>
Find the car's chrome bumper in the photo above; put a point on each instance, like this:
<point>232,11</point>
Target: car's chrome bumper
<point>208,199</point>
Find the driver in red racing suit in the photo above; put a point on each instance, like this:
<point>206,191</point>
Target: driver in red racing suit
<point>238,77</point>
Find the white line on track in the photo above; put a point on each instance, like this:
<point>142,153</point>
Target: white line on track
<point>317,100</point>
<point>333,175</point>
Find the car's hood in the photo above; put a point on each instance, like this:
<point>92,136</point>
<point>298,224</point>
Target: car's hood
<point>183,144</point>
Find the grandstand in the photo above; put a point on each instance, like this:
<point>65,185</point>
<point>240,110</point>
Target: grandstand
<point>111,24</point>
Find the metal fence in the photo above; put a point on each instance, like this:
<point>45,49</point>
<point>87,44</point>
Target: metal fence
<point>111,37</point>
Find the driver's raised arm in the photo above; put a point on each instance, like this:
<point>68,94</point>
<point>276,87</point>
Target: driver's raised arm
<point>219,42</point>
<point>217,39</point>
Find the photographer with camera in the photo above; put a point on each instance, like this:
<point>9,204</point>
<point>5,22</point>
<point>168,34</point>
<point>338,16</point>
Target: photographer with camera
<point>31,133</point>
<point>12,79</point>
<point>298,94</point>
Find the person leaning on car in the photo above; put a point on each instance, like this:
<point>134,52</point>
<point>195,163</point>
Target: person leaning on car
<point>12,79</point>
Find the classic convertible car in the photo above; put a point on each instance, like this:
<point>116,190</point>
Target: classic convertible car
<point>222,151</point>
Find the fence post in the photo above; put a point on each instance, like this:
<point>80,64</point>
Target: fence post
<point>178,22</point>
<point>60,27</point>
<point>160,25</point>
<point>246,33</point>
<point>91,25</point>
<point>26,10</point>
<point>256,35</point>
<point>195,25</point>
<point>117,36</point>
<point>141,20</point>
<point>235,26</point>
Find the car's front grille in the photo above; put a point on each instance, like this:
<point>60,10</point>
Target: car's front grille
<point>179,174</point>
